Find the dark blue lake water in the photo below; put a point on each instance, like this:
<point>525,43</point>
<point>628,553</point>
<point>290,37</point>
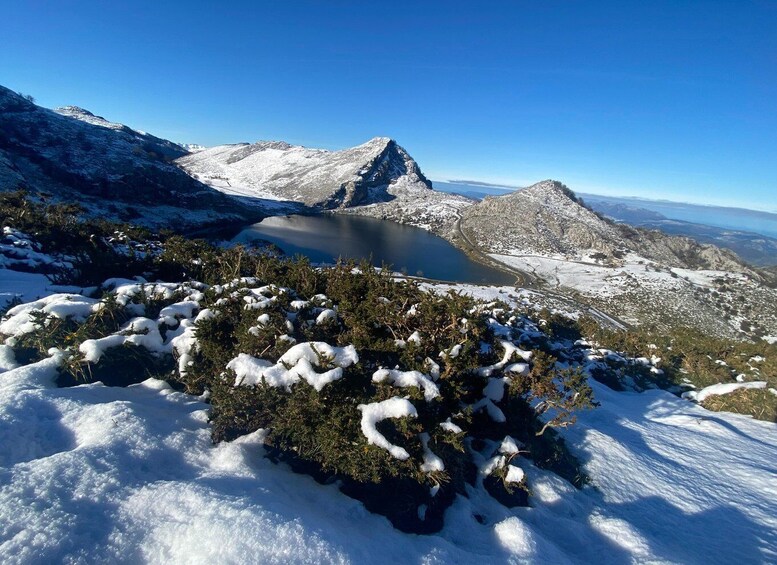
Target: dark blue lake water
<point>407,249</point>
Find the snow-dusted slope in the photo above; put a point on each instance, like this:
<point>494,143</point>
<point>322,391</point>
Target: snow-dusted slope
<point>315,177</point>
<point>86,116</point>
<point>114,171</point>
<point>377,178</point>
<point>126,475</point>
<point>163,147</point>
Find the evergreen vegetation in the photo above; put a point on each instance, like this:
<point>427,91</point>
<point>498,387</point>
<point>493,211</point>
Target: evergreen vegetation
<point>486,384</point>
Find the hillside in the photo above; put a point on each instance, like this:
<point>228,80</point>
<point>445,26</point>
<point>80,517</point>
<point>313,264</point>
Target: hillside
<point>643,277</point>
<point>547,219</point>
<point>376,376</point>
<point>113,171</point>
<point>377,178</point>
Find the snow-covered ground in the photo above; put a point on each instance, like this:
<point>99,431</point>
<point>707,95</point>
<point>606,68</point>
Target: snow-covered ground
<point>16,285</point>
<point>642,291</point>
<point>601,280</point>
<point>97,474</point>
<point>108,474</point>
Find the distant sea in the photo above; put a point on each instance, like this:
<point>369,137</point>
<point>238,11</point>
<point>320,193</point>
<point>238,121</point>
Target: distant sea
<point>764,223</point>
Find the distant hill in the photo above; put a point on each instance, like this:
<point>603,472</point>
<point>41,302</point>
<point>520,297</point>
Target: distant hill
<point>547,218</point>
<point>754,248</point>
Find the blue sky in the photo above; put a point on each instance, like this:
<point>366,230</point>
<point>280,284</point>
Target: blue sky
<point>673,100</point>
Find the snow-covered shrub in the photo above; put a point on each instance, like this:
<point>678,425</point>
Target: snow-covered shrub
<point>69,249</point>
<point>403,396</point>
<point>682,360</point>
<point>126,337</point>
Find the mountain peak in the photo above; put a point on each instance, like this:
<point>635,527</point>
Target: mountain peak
<point>358,175</point>
<point>380,140</point>
<point>549,189</point>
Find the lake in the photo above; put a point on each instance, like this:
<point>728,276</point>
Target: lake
<point>414,251</point>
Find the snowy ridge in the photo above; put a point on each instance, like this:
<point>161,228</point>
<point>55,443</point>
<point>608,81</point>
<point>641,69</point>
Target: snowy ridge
<point>86,116</point>
<point>314,177</point>
<point>377,179</point>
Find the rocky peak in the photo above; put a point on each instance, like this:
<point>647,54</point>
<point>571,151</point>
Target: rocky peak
<point>322,178</point>
<point>548,219</point>
<point>550,192</point>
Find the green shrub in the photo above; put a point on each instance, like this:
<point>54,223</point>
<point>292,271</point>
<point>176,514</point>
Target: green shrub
<point>461,407</point>
<point>320,431</point>
<point>691,359</point>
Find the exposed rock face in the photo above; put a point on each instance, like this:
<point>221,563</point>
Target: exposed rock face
<point>314,177</point>
<point>377,179</point>
<point>548,219</point>
<point>113,170</point>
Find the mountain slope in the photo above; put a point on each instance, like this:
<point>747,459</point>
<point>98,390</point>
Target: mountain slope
<point>314,177</point>
<point>548,219</point>
<point>151,143</point>
<point>112,170</point>
<point>755,248</point>
<point>377,179</point>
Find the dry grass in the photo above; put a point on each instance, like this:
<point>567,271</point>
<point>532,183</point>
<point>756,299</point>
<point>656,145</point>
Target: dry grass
<point>759,403</point>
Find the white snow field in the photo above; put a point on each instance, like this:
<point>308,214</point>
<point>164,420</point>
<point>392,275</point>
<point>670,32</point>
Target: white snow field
<point>96,474</point>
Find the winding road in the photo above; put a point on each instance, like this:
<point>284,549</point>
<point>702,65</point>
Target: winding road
<point>530,281</point>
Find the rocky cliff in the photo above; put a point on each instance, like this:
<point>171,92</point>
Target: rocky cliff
<point>315,177</point>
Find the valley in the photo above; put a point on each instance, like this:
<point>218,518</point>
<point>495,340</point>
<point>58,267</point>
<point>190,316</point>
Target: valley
<point>543,236</point>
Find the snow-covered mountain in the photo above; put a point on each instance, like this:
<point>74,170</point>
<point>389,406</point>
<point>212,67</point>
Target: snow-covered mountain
<point>111,169</point>
<point>377,178</point>
<point>314,177</point>
<point>548,219</point>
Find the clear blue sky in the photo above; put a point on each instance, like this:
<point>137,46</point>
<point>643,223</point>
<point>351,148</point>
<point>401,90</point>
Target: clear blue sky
<point>661,99</point>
